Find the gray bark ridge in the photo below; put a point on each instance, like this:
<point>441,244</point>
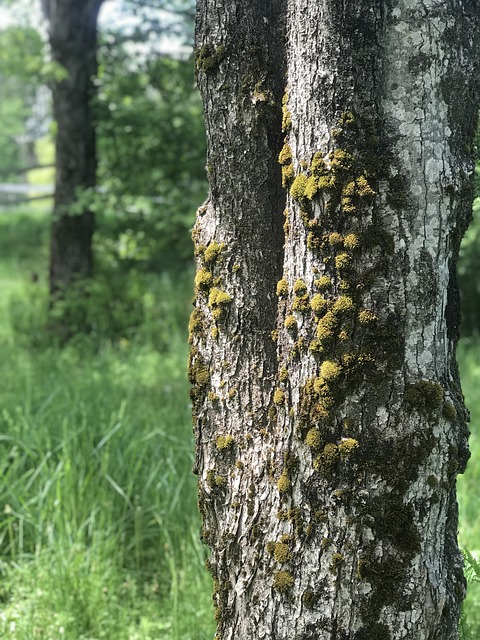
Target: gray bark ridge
<point>327,468</point>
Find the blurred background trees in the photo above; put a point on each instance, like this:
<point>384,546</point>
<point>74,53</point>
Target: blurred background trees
<point>147,119</point>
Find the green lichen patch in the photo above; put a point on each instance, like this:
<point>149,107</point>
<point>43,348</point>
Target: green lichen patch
<point>283,374</point>
<point>279,397</point>
<point>283,581</point>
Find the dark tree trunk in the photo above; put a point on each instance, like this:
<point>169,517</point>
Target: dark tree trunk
<point>73,42</point>
<point>329,420</point>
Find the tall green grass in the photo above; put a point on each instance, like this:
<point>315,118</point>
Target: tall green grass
<point>98,519</point>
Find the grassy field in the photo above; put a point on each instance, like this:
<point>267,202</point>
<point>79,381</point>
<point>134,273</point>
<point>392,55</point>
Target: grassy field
<point>98,518</point>
<point>98,523</point>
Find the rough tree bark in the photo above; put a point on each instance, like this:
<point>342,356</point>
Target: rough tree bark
<point>329,419</point>
<point>72,28</point>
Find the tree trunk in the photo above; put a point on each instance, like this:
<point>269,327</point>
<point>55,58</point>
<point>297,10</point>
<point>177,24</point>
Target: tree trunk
<point>328,413</point>
<point>73,42</point>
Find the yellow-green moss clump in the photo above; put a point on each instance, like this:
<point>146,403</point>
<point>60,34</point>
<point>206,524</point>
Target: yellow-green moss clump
<point>366,317</point>
<point>313,438</point>
<point>326,461</point>
<point>351,241</point>
<point>218,300</point>
<point>279,397</point>
<point>282,553</point>
<point>215,481</point>
<point>337,561</point>
<point>343,304</point>
<point>285,159</point>
<point>283,483</point>
<point>214,333</point>
<point>199,373</point>
<point>213,251</point>
<point>324,282</point>
<point>301,303</point>
<point>326,326</point>
<point>282,287</point>
<point>330,370</point>
<point>286,115</point>
<point>343,260</point>
<point>341,161</point>
<point>318,304</point>
<point>283,581</point>
<point>347,447</point>
<point>297,190</point>
<point>285,155</point>
<point>203,279</point>
<point>290,323</point>
<point>335,239</point>
<point>300,288</point>
<point>195,324</point>
<point>283,375</point>
<point>225,442</point>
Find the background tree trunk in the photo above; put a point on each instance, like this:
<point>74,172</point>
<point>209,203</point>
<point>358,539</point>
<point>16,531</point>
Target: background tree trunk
<point>330,422</point>
<point>73,41</point>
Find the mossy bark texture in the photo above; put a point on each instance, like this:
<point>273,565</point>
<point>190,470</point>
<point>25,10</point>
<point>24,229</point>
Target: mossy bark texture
<point>340,164</point>
<point>72,29</point>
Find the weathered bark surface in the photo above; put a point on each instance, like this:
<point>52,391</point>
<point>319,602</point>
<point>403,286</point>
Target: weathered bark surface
<point>327,457</point>
<point>73,41</point>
